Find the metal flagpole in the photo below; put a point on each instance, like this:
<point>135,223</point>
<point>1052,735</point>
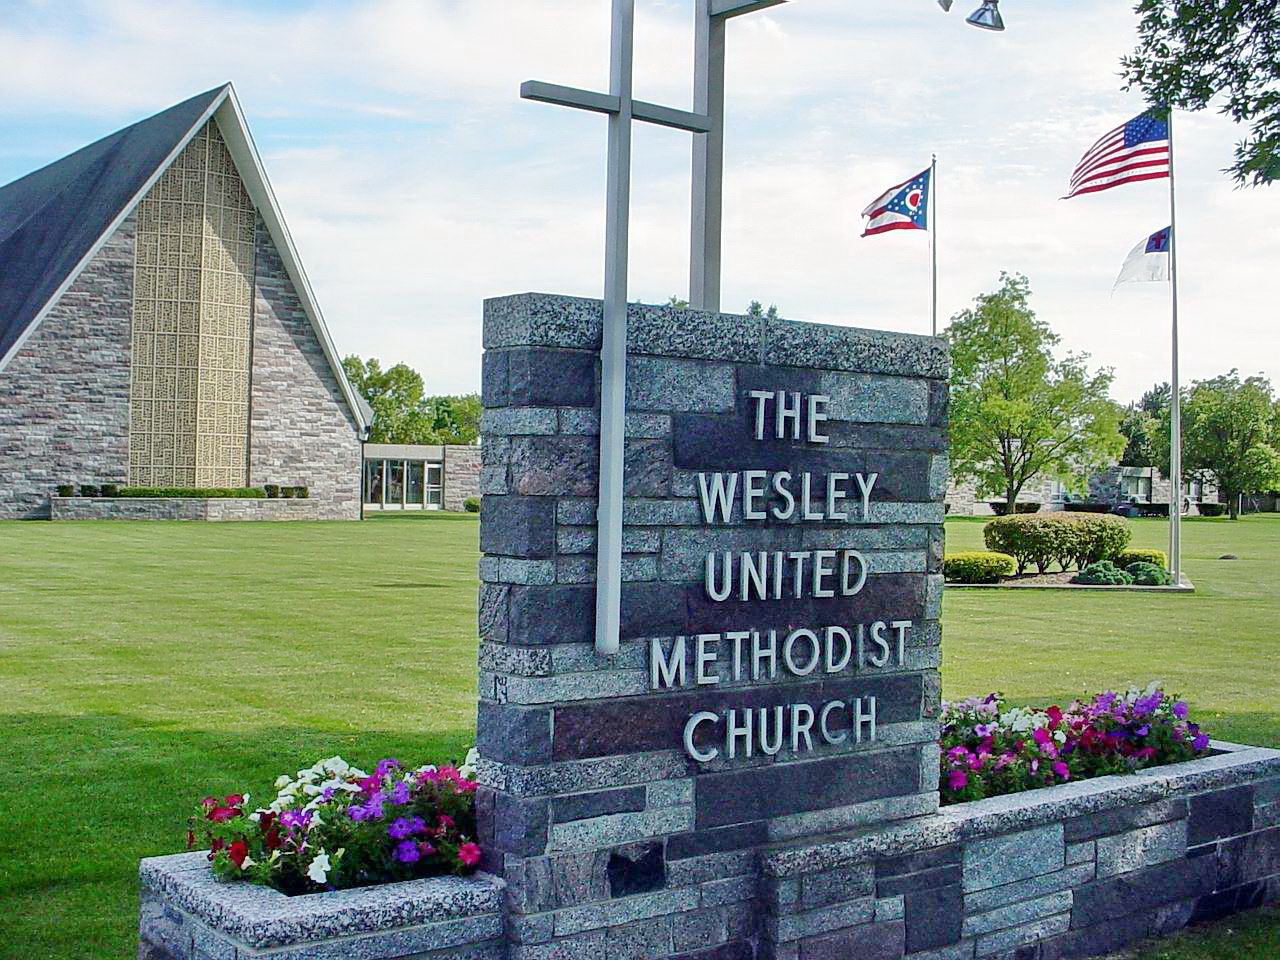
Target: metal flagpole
<point>933,233</point>
<point>1175,433</point>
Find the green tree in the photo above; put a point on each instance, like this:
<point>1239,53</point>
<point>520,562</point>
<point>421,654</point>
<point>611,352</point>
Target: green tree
<point>456,419</point>
<point>1017,412</point>
<point>1140,424</point>
<point>400,411</point>
<point>1229,436</point>
<point>677,302</point>
<point>756,309</point>
<point>1192,52</point>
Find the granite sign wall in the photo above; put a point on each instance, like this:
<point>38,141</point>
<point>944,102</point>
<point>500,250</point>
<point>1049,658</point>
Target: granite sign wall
<point>777,676</point>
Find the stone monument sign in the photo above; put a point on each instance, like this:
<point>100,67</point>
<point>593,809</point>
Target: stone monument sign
<point>777,672</point>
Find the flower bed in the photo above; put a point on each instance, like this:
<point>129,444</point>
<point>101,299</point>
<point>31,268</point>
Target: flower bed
<point>334,827</point>
<point>990,749</point>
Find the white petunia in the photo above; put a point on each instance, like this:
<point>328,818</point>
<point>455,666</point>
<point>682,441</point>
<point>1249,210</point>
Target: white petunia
<point>318,872</point>
<point>336,766</point>
<point>468,768</point>
<point>281,780</point>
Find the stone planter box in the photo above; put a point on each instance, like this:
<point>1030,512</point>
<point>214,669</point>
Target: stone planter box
<point>181,508</point>
<point>1076,870</point>
<point>187,914</point>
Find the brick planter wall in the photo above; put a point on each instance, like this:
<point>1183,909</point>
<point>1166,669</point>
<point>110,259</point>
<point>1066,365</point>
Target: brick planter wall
<point>182,508</point>
<point>187,914</point>
<point>1077,870</point>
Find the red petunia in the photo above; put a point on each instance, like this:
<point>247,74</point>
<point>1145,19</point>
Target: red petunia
<point>233,800</point>
<point>238,852</point>
<point>223,814</point>
<point>469,854</point>
<point>1055,717</point>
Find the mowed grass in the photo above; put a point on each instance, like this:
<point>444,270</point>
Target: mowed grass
<point>143,665</point>
<point>1219,647</point>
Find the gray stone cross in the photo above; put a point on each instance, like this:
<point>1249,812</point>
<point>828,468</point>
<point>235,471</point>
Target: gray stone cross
<point>707,125</point>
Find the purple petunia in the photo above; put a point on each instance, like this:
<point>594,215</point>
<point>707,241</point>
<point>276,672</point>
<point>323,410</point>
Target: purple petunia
<point>400,828</point>
<point>295,819</point>
<point>386,766</point>
<point>358,812</point>
<point>400,793</point>
<point>1180,710</point>
<point>407,852</point>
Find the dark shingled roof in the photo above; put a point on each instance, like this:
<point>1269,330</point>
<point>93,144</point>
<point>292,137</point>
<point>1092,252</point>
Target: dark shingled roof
<point>51,218</point>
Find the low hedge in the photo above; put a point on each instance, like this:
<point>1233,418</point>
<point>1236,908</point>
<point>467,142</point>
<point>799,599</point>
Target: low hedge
<point>1212,509</point>
<point>1067,539</point>
<point>471,504</point>
<point>977,566</point>
<point>1149,574</point>
<point>1126,558</point>
<point>196,493</point>
<point>1077,506</point>
<point>1001,509</point>
<point>1104,573</point>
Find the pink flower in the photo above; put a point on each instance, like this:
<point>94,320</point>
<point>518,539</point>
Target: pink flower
<point>957,780</point>
<point>469,854</point>
<point>1062,770</point>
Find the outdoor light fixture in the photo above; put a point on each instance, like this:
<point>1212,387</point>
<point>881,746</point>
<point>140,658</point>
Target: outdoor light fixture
<point>987,16</point>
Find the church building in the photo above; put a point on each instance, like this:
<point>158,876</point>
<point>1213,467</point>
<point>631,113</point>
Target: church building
<point>157,328</point>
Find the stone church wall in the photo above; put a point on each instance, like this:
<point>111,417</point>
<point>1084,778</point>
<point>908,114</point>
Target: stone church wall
<point>64,398</point>
<point>301,432</point>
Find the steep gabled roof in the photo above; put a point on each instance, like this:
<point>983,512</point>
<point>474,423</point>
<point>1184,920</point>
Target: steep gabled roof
<point>53,221</point>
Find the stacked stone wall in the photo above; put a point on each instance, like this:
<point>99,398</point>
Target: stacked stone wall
<point>302,432</point>
<point>64,397</point>
<point>461,475</point>
<point>182,508</point>
<point>1079,870</point>
<point>614,841</point>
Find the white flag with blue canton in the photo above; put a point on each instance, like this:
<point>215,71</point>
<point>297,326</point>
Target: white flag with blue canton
<point>1148,261</point>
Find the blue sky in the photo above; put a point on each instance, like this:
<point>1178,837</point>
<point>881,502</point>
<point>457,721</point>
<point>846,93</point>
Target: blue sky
<point>416,183</point>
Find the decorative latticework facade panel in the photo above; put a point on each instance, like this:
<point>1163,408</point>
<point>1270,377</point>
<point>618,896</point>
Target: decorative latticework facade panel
<point>192,310</point>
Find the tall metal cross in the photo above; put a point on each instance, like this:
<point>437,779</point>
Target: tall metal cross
<point>706,122</point>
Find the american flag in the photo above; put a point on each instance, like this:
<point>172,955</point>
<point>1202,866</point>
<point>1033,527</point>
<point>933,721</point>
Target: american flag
<point>1137,150</point>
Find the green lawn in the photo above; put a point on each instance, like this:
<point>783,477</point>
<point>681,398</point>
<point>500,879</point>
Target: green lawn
<point>145,664</point>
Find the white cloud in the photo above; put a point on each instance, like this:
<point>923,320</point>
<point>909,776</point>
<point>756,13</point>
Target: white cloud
<point>417,184</point>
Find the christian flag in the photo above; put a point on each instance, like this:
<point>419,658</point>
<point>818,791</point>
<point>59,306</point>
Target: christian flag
<point>1148,261</point>
<point>904,207</point>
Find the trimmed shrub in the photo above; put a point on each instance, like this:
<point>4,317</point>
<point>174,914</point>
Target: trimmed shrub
<point>471,504</point>
<point>1212,509</point>
<point>1001,509</point>
<point>977,566</point>
<point>1103,573</point>
<point>1082,507</point>
<point>1125,558</point>
<point>272,491</point>
<point>89,490</point>
<point>195,493</point>
<point>66,490</point>
<point>302,493</point>
<point>110,490</point>
<point>1149,575</point>
<point>1067,539</point>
